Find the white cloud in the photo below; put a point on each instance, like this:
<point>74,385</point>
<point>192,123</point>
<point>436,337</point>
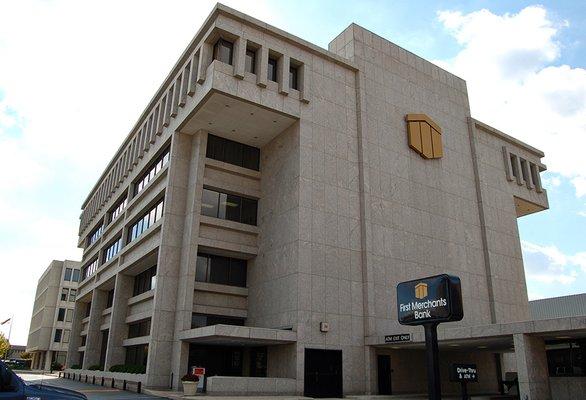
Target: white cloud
<point>74,77</point>
<point>548,264</point>
<point>508,62</point>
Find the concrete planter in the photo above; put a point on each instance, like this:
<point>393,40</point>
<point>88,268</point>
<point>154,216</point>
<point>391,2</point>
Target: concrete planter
<point>189,388</point>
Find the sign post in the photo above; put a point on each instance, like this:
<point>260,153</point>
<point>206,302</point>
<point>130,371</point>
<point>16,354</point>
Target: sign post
<point>429,302</point>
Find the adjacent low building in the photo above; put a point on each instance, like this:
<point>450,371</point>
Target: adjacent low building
<point>257,218</point>
<point>50,329</point>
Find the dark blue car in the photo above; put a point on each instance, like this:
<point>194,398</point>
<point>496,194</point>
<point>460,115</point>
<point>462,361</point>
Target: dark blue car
<point>13,387</point>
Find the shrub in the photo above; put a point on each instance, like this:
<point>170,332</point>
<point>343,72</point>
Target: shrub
<point>130,369</point>
<point>75,366</point>
<point>95,368</point>
<point>56,366</point>
<point>190,378</point>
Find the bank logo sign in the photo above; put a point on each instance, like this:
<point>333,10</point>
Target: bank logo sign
<point>424,136</point>
<point>421,290</point>
<point>430,300</point>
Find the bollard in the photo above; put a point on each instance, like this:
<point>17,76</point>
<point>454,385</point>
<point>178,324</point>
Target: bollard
<point>112,382</point>
<point>102,381</point>
<point>139,387</point>
<point>80,376</point>
<point>86,378</point>
<point>124,385</point>
<point>93,380</point>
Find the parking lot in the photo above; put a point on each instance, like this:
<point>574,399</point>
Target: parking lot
<point>93,392</point>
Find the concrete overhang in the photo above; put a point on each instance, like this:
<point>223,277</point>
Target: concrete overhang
<point>238,335</point>
<point>494,337</point>
<point>234,118</point>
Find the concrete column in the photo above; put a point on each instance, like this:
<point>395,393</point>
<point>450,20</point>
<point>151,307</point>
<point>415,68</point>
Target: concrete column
<point>48,357</point>
<point>239,57</point>
<point>262,66</point>
<point>74,338</point>
<point>532,367</point>
<point>204,60</point>
<point>283,74</point>
<point>115,353</point>
<point>94,336</point>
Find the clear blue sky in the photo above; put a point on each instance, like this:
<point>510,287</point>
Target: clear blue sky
<point>69,81</point>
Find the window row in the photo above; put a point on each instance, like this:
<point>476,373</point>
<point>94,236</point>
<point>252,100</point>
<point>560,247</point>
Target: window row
<point>150,174</point>
<point>62,336</point>
<point>113,249</point>
<point>221,270</point>
<point>146,221</point>
<point>68,294</point>
<point>118,208</point>
<point>137,355</point>
<point>523,171</point>
<point>95,234</point>
<point>139,329</point>
<point>201,320</point>
<point>90,269</point>
<point>71,275</point>
<point>229,206</point>
<point>224,52</point>
<point>233,152</point>
<point>65,315</point>
<point>145,281</point>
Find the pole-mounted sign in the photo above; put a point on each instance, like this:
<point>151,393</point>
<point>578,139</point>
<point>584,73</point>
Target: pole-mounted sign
<point>429,302</point>
<point>464,373</point>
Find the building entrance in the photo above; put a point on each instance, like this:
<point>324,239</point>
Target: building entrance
<point>384,374</point>
<point>323,373</point>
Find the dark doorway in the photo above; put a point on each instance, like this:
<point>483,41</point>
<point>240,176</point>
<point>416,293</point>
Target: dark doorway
<point>384,374</point>
<point>217,360</point>
<point>323,373</point>
<point>104,348</point>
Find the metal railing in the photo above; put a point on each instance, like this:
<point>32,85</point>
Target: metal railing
<point>79,376</point>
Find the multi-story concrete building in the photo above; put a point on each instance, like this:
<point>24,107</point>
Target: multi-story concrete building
<point>50,329</point>
<point>257,219</point>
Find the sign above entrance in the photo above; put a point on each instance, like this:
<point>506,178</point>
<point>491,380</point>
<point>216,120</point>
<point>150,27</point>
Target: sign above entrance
<point>404,337</point>
<point>430,300</point>
<point>463,373</point>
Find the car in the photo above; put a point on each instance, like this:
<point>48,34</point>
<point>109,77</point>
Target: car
<point>14,388</point>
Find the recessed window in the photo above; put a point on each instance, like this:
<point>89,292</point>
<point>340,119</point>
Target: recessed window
<point>66,336</point>
<point>61,315</point>
<point>250,61</point>
<point>272,70</point>
<point>110,300</point>
<point>83,341</point>
<point>223,51</point>
<point>145,222</point>
<point>145,281</point>
<point>150,174</point>
<point>64,294</point>
<point>69,315</point>
<point>76,275</point>
<point>201,320</point>
<point>232,152</point>
<point>67,276</point>
<point>113,249</point>
<point>90,269</point>
<point>293,78</point>
<point>94,235</point>
<point>88,309</point>
<point>514,166</point>
<point>221,270</point>
<point>140,328</point>
<point>58,333</point>
<point>118,208</point>
<point>137,355</point>
<point>229,206</point>
<point>72,294</point>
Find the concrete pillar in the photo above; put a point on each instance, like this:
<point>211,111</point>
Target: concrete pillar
<point>116,353</point>
<point>48,357</point>
<point>74,337</point>
<point>532,367</point>
<point>94,336</point>
<point>239,57</point>
<point>262,66</point>
<point>283,65</point>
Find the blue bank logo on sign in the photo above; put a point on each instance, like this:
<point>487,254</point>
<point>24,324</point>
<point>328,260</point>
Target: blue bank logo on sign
<point>433,299</point>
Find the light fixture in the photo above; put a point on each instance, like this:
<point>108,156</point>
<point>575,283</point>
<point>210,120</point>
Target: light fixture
<point>483,347</point>
<point>454,345</point>
<point>563,337</point>
<point>209,123</point>
<point>251,113</point>
<point>233,130</point>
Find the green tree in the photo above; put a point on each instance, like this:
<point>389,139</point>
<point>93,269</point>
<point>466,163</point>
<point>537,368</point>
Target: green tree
<point>4,345</point>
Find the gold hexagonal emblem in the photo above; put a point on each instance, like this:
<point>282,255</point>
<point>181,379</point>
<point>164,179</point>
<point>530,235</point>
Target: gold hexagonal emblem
<point>425,136</point>
<point>421,290</point>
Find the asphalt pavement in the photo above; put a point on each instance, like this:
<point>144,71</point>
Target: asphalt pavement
<point>93,392</point>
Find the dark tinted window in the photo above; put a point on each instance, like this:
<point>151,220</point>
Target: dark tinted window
<point>137,355</point>
<point>233,152</point>
<point>58,333</point>
<point>140,328</point>
<point>110,300</point>
<point>67,276</point>
<point>293,78</point>
<point>75,275</point>
<point>221,270</point>
<point>201,320</point>
<point>272,70</point>
<point>229,206</point>
<point>61,315</point>
<point>88,309</point>
<point>145,281</point>
<point>145,222</point>
<point>250,61</point>
<point>223,51</point>
<point>150,174</point>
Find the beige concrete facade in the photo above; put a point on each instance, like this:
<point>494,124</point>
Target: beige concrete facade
<point>346,210</point>
<point>53,313</point>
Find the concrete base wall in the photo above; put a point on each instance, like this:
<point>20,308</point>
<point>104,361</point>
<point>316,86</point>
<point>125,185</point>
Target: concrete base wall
<point>109,375</point>
<point>246,386</point>
<point>569,388</point>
